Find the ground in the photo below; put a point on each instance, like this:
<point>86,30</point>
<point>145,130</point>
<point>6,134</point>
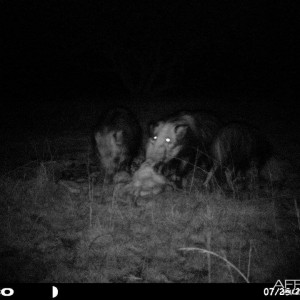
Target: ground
<point>60,223</point>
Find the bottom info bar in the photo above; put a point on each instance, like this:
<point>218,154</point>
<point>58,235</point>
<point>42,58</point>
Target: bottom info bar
<point>95,291</point>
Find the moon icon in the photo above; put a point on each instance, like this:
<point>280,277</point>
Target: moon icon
<point>54,291</point>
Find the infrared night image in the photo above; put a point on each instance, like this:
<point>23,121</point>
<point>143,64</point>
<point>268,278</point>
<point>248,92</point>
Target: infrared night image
<point>149,142</point>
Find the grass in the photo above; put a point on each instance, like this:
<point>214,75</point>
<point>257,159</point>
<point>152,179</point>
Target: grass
<point>50,232</point>
<point>222,258</point>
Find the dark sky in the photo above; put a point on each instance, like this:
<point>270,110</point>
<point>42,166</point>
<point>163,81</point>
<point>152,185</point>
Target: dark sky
<point>92,48</point>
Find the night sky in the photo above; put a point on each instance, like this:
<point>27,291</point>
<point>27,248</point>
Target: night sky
<point>70,50</point>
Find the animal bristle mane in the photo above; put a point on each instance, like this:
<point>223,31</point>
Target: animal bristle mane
<point>192,144</point>
<point>237,148</point>
<point>117,137</point>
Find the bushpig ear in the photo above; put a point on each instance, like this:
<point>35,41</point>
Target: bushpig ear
<point>151,126</point>
<point>119,137</point>
<point>180,131</point>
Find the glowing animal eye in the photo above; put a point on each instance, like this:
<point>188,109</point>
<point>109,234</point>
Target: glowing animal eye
<point>168,140</point>
<point>155,138</point>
